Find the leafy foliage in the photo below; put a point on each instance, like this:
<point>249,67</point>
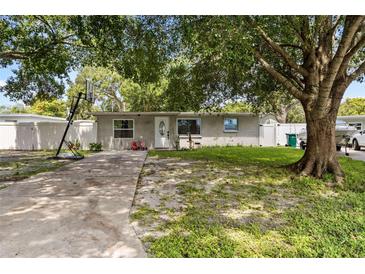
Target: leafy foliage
<point>136,47</point>
<point>17,108</point>
<point>296,114</point>
<point>96,147</point>
<point>53,107</point>
<point>148,97</point>
<point>116,93</point>
<point>42,48</point>
<point>238,107</point>
<point>352,106</point>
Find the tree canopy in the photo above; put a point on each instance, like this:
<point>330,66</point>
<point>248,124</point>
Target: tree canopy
<point>44,49</point>
<point>53,107</point>
<point>352,106</point>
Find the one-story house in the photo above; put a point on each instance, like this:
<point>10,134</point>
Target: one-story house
<point>117,130</point>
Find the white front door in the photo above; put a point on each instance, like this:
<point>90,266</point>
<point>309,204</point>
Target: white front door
<point>162,134</point>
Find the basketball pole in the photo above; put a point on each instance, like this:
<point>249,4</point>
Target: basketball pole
<point>73,111</point>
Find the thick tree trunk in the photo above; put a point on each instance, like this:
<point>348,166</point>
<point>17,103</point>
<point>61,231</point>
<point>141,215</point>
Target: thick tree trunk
<point>320,155</point>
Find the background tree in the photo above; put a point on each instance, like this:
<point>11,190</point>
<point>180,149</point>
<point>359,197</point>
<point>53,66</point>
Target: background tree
<point>293,111</point>
<point>54,107</point>
<point>17,108</point>
<point>237,107</point>
<point>115,93</point>
<point>149,97</point>
<point>352,106</point>
<point>107,91</point>
<point>296,114</point>
<point>183,92</point>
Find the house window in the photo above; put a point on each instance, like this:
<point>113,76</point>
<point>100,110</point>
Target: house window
<point>357,125</point>
<point>230,124</point>
<point>123,128</point>
<point>186,126</point>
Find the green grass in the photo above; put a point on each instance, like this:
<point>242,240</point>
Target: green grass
<point>237,155</point>
<point>258,208</point>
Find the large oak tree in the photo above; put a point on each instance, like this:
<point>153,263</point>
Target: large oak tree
<point>313,58</point>
<point>325,55</point>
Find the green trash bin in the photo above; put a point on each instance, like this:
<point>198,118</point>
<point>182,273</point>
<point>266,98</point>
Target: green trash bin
<point>291,139</point>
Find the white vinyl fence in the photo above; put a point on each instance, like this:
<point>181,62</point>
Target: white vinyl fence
<point>275,134</point>
<point>44,135</point>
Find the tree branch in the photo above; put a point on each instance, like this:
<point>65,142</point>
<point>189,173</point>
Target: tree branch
<point>291,105</point>
<point>291,46</point>
<point>360,44</point>
<point>346,60</point>
<point>17,55</point>
<point>282,79</point>
<point>282,52</point>
<point>351,26</point>
<point>357,73</point>
<point>44,21</point>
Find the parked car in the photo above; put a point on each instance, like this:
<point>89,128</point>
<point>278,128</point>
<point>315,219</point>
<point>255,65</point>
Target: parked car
<point>343,135</point>
<point>358,140</point>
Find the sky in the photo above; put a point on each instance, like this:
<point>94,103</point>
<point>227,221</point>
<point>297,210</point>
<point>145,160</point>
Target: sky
<point>355,90</point>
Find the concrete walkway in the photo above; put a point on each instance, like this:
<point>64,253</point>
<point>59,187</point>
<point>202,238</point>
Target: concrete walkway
<point>354,154</point>
<point>80,210</point>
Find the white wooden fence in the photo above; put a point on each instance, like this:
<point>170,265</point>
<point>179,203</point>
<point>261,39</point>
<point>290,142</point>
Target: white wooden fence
<point>275,134</point>
<point>44,135</point>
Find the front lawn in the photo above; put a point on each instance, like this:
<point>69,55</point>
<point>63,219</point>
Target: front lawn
<point>240,202</point>
<point>18,165</point>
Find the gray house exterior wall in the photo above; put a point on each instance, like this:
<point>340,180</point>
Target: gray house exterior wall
<point>212,129</point>
<point>143,126</point>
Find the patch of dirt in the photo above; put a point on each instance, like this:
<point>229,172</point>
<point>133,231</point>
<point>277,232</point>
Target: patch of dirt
<point>238,196</point>
<point>18,165</point>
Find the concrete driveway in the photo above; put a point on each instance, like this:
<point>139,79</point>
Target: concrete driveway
<point>80,210</point>
<point>354,154</point>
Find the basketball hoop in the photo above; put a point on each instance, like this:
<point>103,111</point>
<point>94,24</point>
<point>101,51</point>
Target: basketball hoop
<point>89,96</point>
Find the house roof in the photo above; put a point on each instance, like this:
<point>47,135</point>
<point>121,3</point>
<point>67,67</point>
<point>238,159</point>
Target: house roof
<point>172,113</point>
<point>352,116</point>
<point>30,115</point>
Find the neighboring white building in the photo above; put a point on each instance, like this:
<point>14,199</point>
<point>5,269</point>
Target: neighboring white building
<point>26,117</point>
<point>33,132</point>
<point>273,133</point>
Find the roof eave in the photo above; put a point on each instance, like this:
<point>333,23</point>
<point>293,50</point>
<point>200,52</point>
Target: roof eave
<point>172,113</point>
